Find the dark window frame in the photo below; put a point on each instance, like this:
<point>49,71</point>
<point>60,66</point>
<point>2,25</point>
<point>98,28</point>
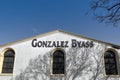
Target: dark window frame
<point>8,62</point>
<point>58,60</point>
<point>110,61</point>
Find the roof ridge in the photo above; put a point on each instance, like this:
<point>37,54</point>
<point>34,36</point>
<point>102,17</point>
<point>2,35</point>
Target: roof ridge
<point>58,30</point>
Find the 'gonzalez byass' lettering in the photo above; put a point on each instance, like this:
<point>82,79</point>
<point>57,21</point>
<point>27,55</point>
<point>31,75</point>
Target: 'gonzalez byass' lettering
<point>64,44</point>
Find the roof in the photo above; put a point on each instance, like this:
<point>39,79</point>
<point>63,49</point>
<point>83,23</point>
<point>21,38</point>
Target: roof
<point>56,31</point>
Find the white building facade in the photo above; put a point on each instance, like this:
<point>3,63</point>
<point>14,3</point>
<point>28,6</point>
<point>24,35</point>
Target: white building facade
<point>59,55</point>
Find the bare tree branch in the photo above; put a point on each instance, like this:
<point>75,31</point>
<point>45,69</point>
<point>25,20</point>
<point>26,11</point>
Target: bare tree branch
<point>107,11</point>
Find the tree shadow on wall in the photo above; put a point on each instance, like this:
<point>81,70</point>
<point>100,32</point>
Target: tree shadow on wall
<point>81,63</point>
<point>38,69</point>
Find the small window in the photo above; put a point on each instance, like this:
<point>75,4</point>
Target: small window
<point>110,63</point>
<point>8,62</point>
<point>58,62</point>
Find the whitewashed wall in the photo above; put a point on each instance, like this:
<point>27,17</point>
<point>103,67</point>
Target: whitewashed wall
<point>24,51</point>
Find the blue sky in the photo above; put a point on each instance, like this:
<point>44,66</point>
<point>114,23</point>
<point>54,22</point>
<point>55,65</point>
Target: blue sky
<point>20,19</point>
